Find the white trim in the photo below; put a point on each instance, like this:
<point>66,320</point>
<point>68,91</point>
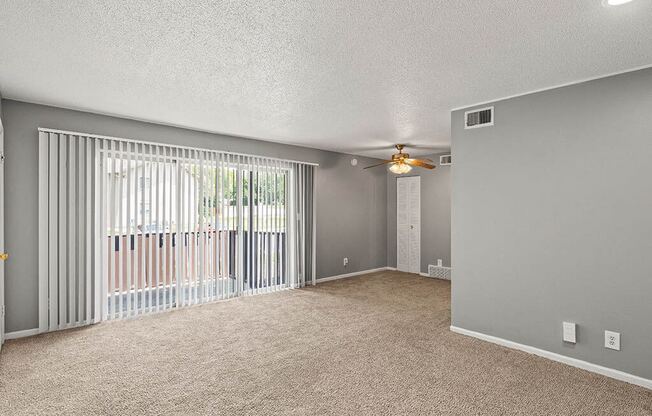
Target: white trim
<point>345,275</point>
<point>152,143</point>
<point>22,334</point>
<point>2,236</point>
<point>567,84</point>
<point>584,365</point>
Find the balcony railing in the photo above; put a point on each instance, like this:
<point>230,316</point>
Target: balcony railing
<point>153,258</point>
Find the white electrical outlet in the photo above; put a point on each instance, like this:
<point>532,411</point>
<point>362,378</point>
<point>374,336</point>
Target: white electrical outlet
<point>569,332</point>
<point>346,261</point>
<point>439,262</point>
<point>612,340</point>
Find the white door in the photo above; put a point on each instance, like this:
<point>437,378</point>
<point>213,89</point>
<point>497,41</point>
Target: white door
<point>408,224</point>
<point>2,236</point>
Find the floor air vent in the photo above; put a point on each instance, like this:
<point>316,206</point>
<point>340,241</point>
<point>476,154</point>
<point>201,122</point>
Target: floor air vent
<point>482,117</point>
<point>439,272</point>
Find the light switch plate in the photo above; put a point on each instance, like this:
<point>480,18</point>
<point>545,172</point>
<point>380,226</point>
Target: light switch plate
<point>612,340</point>
<point>569,332</point>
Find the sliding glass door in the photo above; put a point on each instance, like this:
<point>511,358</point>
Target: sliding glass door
<point>188,226</point>
<point>265,228</point>
<point>137,227</point>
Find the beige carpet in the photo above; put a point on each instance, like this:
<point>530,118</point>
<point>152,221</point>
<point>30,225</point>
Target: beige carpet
<point>372,345</point>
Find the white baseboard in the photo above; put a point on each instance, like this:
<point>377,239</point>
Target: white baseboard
<point>584,365</point>
<point>343,276</point>
<point>21,334</point>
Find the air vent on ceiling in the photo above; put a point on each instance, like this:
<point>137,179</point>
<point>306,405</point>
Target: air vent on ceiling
<point>481,117</point>
<point>445,160</point>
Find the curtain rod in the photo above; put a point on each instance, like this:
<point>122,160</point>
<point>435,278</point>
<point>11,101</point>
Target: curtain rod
<point>99,136</point>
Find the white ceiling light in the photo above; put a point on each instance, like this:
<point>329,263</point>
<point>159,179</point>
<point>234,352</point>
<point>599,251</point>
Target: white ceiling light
<point>400,168</point>
<point>615,2</point>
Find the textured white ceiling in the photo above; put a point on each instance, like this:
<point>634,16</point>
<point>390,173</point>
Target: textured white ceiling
<point>351,76</point>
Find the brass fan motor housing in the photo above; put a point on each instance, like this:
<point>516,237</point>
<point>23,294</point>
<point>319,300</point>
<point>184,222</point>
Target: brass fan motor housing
<point>401,158</point>
<point>400,155</point>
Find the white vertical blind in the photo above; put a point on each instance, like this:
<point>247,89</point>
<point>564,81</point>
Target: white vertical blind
<point>70,216</point>
<point>44,179</point>
<point>135,227</point>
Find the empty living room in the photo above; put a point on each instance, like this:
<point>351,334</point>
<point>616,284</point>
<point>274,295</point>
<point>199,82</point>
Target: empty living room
<point>325,207</point>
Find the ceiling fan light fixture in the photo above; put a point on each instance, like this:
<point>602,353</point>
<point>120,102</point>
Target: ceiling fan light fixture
<point>401,163</point>
<point>400,168</point>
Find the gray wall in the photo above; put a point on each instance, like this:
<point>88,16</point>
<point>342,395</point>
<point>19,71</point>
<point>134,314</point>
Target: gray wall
<point>552,220</point>
<point>351,202</point>
<point>435,214</point>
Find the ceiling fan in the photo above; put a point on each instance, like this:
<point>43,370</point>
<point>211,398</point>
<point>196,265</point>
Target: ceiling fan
<point>401,162</point>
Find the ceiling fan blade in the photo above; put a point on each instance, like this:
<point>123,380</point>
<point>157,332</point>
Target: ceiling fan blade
<point>380,164</point>
<point>419,163</point>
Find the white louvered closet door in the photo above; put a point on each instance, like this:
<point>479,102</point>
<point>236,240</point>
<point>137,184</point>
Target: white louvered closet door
<point>408,224</point>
